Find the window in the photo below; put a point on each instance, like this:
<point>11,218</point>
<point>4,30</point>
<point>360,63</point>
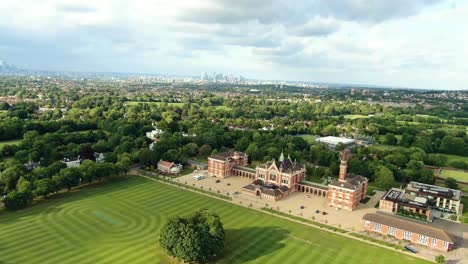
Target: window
<point>261,176</point>
<point>446,244</point>
<point>407,235</point>
<point>377,227</point>
<point>272,176</point>
<point>434,242</point>
<point>391,231</point>
<point>285,181</point>
<point>423,239</point>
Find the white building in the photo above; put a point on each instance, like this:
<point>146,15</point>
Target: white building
<point>332,142</point>
<point>72,163</point>
<point>154,133</point>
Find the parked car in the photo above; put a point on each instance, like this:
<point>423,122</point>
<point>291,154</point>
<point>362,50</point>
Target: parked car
<point>411,249</point>
<point>198,177</point>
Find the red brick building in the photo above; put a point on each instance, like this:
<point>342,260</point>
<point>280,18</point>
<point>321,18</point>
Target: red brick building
<point>276,179</point>
<point>166,167</point>
<point>349,190</point>
<point>221,165</point>
<point>273,180</point>
<point>402,229</point>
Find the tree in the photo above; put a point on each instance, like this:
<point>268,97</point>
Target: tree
<point>384,178</point>
<point>205,150</point>
<point>23,185</point>
<point>88,170</point>
<point>44,187</point>
<point>440,259</point>
<point>451,183</point>
<point>452,145</point>
<point>69,178</point>
<point>16,200</point>
<point>390,139</point>
<point>10,176</point>
<point>197,238</point>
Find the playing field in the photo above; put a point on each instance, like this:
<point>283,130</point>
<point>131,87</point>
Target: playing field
<point>120,222</point>
<point>309,138</point>
<point>9,142</point>
<point>456,174</point>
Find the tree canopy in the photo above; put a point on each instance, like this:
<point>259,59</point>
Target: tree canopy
<point>197,238</point>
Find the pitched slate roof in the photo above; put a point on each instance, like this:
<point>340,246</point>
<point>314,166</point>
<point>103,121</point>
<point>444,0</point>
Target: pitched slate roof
<point>408,225</point>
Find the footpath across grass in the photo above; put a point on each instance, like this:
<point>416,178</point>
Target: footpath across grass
<point>119,222</point>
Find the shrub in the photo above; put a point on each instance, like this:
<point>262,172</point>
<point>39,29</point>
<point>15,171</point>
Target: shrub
<point>440,259</point>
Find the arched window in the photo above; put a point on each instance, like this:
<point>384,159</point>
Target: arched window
<point>273,176</point>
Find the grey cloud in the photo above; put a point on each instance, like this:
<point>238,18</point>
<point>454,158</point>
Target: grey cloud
<point>316,28</point>
<point>373,10</point>
<point>287,13</point>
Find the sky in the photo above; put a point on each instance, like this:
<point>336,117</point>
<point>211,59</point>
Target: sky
<point>400,43</point>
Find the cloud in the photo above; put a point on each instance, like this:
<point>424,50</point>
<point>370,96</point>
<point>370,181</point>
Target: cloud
<point>317,27</point>
<point>399,42</point>
<point>67,8</point>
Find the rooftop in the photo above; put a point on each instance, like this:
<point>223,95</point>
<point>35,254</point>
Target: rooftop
<point>335,140</point>
<point>408,225</point>
<point>432,190</point>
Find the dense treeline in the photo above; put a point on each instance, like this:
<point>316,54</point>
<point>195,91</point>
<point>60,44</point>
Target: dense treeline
<point>78,118</point>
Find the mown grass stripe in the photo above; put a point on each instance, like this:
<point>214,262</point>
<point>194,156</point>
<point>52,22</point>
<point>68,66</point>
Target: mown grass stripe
<point>131,213</point>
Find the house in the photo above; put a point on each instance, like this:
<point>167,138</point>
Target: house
<point>99,157</point>
<point>408,230</point>
<point>72,163</point>
<point>153,134</point>
<point>31,165</point>
<point>166,167</point>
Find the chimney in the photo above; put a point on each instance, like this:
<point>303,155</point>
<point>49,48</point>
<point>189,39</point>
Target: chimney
<point>344,164</point>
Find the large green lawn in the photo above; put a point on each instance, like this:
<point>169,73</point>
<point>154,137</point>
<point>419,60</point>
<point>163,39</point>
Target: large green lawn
<point>120,222</point>
<point>309,138</point>
<point>457,175</point>
<point>9,142</point>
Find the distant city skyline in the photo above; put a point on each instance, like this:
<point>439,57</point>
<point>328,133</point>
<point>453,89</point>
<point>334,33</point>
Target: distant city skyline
<point>414,44</point>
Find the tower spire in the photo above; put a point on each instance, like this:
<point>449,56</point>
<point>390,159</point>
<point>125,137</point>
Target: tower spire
<point>281,158</point>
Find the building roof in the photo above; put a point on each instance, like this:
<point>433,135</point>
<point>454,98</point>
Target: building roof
<point>408,225</point>
<point>431,190</point>
<point>335,140</point>
<point>314,184</point>
<point>166,163</point>
<point>352,182</point>
<point>225,155</point>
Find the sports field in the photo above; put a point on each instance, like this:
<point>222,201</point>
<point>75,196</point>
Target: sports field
<point>309,138</point>
<point>9,142</point>
<point>120,222</point>
<point>458,175</point>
